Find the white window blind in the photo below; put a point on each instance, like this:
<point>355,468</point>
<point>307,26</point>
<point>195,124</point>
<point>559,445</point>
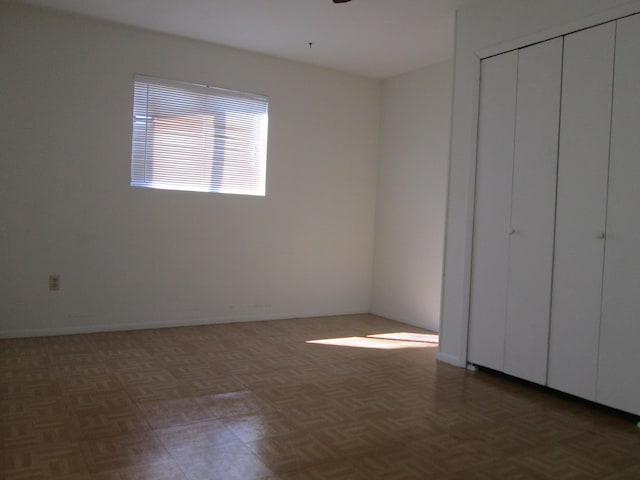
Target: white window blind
<point>198,138</point>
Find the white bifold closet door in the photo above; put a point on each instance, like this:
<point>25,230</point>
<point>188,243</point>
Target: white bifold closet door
<point>581,210</point>
<point>515,210</point>
<point>494,172</point>
<point>618,382</point>
<point>533,210</point>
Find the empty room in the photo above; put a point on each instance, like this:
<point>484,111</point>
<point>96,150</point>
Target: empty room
<point>319,239</point>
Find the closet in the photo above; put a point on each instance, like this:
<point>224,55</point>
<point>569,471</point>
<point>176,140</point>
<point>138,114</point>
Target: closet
<point>555,280</point>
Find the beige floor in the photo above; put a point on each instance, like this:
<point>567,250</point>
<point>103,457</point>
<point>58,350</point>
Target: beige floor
<point>258,401</point>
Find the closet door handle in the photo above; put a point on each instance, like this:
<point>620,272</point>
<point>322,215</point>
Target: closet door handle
<point>512,231</point>
<point>601,235</point>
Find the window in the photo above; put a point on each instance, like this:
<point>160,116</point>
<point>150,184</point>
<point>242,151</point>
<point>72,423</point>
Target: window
<point>198,138</point>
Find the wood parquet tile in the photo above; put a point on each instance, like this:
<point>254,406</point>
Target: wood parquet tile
<point>100,423</point>
<point>267,424</point>
<point>225,463</point>
<point>166,413</point>
<point>124,451</point>
<point>185,439</point>
<point>54,460</point>
<point>255,401</point>
<point>155,471</point>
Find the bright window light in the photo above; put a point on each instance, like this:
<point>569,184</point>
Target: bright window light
<point>198,138</point>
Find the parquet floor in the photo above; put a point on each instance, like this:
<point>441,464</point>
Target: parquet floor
<point>258,401</point>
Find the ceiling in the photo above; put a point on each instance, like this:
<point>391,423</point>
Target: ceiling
<point>375,38</point>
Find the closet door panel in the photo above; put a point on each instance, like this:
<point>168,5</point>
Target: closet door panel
<point>581,210</point>
<point>492,210</point>
<point>618,382</point>
<point>533,210</point>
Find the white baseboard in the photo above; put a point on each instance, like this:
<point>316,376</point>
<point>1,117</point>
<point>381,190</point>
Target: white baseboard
<point>116,327</point>
<point>450,359</point>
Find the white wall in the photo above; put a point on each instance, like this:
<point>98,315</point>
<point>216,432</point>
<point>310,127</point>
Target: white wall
<point>501,24</point>
<point>132,258</point>
<point>412,180</point>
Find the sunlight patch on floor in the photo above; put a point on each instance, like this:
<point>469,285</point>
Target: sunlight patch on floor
<point>384,341</point>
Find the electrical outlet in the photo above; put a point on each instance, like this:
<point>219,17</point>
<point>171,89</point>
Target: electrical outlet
<point>54,282</point>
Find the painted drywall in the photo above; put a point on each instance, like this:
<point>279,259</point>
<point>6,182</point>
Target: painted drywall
<point>495,26</point>
<point>133,258</point>
<point>412,181</point>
